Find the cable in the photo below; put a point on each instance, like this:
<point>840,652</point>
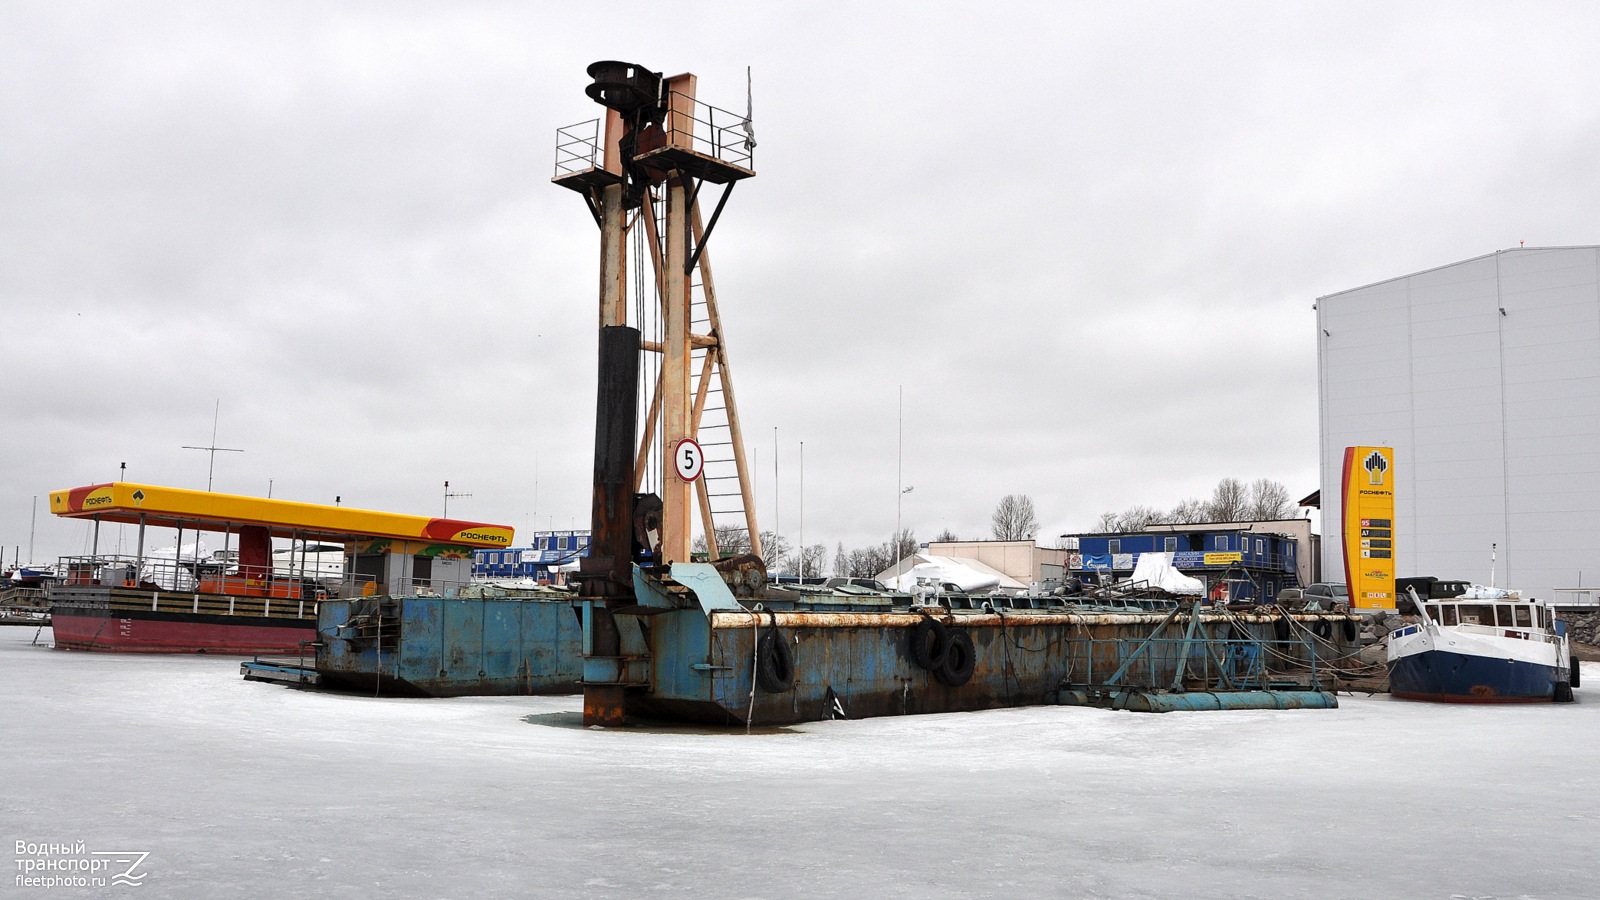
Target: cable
<point>755,661</point>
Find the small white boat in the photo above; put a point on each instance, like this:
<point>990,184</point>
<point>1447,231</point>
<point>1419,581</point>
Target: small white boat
<point>1484,645</point>
<point>310,561</point>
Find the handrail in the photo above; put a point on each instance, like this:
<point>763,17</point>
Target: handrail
<point>577,147</point>
<point>707,129</point>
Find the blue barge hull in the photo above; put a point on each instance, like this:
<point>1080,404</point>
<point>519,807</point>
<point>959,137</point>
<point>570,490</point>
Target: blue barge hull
<point>449,646</point>
<point>1464,678</point>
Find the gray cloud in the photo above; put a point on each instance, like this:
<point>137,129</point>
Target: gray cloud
<point>1085,239</point>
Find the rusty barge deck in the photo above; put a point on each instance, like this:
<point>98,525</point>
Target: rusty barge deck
<point>692,651</point>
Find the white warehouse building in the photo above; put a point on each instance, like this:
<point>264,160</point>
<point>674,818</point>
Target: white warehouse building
<point>1484,376</point>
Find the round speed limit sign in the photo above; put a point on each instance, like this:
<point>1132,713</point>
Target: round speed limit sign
<point>688,459</point>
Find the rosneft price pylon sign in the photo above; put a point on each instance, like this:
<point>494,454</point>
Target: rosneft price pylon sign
<point>1369,526</point>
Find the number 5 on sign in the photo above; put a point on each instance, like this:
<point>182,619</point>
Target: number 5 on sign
<point>688,459</point>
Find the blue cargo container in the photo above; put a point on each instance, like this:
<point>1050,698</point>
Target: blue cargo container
<point>1254,565</point>
<point>450,646</point>
<point>546,551</point>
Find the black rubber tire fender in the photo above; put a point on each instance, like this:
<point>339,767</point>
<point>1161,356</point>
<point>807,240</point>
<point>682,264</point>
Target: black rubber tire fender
<point>1350,631</point>
<point>960,658</point>
<point>1572,671</point>
<point>1280,628</point>
<point>1563,693</point>
<point>775,663</point>
<point>930,641</point>
<point>1322,629</point>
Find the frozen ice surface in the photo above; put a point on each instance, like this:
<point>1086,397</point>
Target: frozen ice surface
<point>247,790</point>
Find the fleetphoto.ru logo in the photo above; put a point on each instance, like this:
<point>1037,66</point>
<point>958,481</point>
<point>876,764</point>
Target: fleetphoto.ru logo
<point>74,865</point>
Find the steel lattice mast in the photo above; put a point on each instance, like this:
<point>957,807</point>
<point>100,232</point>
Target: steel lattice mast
<point>646,165</point>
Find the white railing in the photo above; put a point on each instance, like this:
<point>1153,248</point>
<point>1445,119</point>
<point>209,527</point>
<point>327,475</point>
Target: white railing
<point>714,132</point>
<point>210,575</point>
<point>577,147</point>
<point>1578,596</point>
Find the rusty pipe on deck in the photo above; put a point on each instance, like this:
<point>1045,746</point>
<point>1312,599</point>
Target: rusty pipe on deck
<point>733,619</point>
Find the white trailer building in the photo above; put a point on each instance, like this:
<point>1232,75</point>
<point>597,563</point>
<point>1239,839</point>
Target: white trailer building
<point>1484,376</point>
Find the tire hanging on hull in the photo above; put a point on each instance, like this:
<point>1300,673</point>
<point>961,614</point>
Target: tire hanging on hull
<point>774,663</point>
<point>930,642</point>
<point>960,658</point>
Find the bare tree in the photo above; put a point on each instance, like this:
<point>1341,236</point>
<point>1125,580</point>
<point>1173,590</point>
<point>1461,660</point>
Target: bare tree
<point>773,547</point>
<point>1228,501</point>
<point>1268,500</point>
<point>808,562</point>
<point>867,562</point>
<point>946,536</point>
<point>1013,518</point>
<point>1187,512</point>
<point>904,546</point>
<point>1135,518</point>
<point>731,541</point>
<point>1231,501</point>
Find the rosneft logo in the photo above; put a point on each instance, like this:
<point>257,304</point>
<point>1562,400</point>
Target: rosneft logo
<point>1375,465</point>
<point>482,536</point>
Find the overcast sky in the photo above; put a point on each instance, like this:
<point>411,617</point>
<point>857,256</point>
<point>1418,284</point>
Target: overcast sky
<point>1084,237</point>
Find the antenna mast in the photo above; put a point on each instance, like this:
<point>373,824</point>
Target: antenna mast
<point>211,467</point>
<point>448,494</point>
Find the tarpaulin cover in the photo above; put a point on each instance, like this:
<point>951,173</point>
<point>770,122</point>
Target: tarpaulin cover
<point>1156,569</point>
<point>964,574</point>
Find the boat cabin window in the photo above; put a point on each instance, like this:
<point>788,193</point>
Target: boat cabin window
<point>1524,616</point>
<point>1477,614</point>
<point>365,569</point>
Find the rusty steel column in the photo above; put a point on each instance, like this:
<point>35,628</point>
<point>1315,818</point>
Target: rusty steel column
<point>613,232</point>
<point>677,495</point>
<point>606,574</point>
<point>675,492</point>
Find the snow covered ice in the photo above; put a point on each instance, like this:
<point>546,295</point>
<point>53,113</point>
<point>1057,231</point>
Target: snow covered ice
<point>240,789</point>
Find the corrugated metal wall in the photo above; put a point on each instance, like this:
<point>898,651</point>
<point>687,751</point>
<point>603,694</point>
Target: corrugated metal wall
<point>1494,416</point>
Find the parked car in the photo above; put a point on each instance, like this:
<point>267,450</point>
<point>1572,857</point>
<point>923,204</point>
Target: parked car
<point>868,583</point>
<point>1325,594</point>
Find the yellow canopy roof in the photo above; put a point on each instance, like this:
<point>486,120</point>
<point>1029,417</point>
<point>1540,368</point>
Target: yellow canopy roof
<point>174,507</point>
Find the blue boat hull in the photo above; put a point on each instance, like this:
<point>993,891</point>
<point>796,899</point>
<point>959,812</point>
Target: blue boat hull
<point>1462,678</point>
